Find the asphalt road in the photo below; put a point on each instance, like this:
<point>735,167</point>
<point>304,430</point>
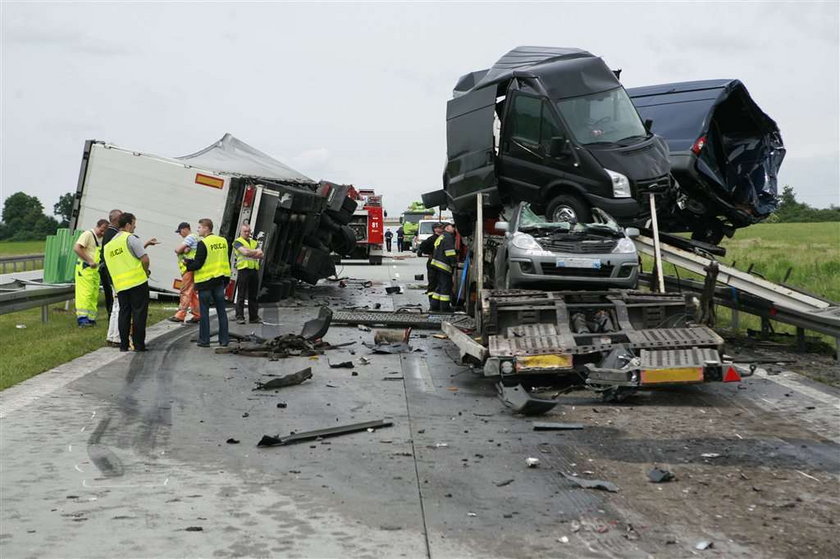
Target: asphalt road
<point>127,455</point>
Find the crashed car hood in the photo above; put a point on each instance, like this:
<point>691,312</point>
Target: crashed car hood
<point>743,150</point>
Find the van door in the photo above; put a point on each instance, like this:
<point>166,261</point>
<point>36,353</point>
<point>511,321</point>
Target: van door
<point>530,132</point>
<point>470,166</point>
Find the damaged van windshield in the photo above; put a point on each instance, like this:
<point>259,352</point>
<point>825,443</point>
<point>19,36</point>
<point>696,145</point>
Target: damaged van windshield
<point>605,117</point>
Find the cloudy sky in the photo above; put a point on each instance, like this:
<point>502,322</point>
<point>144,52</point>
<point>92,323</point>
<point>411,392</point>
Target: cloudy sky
<point>356,92</point>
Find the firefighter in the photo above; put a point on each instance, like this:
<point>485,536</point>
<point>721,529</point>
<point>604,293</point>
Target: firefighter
<point>427,247</point>
<point>443,263</point>
<point>87,273</point>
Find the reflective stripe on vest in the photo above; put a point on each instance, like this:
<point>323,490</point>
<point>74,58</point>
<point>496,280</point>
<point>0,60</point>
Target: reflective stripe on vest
<point>243,261</point>
<point>188,254</point>
<point>437,263</point>
<point>217,264</point>
<point>125,269</point>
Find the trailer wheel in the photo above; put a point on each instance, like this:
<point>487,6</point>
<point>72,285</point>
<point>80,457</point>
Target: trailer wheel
<point>568,207</point>
<point>617,394</point>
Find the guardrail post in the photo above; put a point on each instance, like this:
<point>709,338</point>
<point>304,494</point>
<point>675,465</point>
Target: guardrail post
<point>45,313</point>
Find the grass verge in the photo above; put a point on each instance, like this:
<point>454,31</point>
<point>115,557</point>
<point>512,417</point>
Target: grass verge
<point>16,248</point>
<point>26,352</point>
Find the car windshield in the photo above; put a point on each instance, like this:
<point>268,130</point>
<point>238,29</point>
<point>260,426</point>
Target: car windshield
<point>602,223</point>
<point>606,117</point>
<point>425,228</point>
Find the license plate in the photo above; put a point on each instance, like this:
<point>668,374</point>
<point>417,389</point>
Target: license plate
<point>675,375</point>
<point>538,362</point>
<point>594,263</point>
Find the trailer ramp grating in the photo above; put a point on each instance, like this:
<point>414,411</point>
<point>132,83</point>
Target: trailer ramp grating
<point>403,319</point>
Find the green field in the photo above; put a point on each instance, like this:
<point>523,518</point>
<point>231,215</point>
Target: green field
<point>38,346</point>
<point>16,248</point>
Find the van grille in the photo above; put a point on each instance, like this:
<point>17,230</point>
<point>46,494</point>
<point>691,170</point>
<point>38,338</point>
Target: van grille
<point>659,184</point>
<point>580,247</point>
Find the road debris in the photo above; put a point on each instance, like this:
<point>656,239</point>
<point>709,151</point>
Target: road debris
<point>282,404</point>
<point>504,483</point>
<point>393,378</point>
<point>563,539</point>
<point>363,328</point>
<point>287,380</point>
<point>418,277</point>
<point>471,514</point>
<point>393,289</point>
<point>532,462</point>
<point>593,483</point>
<point>704,544</point>
<point>316,328</point>
<point>388,348</point>
<point>364,361</point>
<point>232,441</point>
<point>658,475</point>
<point>292,438</point>
<point>391,336</point>
<point>342,365</point>
<point>194,529</point>
<point>544,426</point>
<point>711,455</point>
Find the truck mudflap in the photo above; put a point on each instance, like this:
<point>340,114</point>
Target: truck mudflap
<point>521,401</point>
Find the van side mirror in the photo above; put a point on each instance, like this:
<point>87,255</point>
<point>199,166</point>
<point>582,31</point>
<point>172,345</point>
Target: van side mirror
<point>648,124</point>
<point>632,232</point>
<point>558,147</point>
<point>503,226</point>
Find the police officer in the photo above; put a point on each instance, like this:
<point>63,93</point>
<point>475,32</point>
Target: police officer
<point>247,275</point>
<point>427,247</point>
<point>212,273</point>
<point>128,266</point>
<point>443,264</point>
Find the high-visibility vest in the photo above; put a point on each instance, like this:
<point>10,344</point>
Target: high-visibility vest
<point>126,270</point>
<point>188,254</point>
<point>243,261</point>
<point>217,264</point>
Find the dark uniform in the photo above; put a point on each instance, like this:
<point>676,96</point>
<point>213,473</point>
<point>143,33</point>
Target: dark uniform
<point>443,264</point>
<point>426,248</point>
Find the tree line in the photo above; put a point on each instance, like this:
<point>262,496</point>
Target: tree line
<point>792,211</point>
<point>24,218</point>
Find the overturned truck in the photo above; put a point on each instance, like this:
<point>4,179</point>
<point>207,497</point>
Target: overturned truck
<point>297,221</point>
<point>554,127</point>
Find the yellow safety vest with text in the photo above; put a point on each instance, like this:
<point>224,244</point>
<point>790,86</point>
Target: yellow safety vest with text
<point>189,254</point>
<point>217,264</point>
<point>243,261</point>
<point>126,270</point>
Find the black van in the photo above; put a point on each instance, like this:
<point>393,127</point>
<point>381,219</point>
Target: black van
<point>725,152</point>
<point>553,127</point>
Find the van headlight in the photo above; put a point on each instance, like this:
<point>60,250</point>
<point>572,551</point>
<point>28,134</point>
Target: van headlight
<point>624,246</point>
<point>620,184</point>
<point>525,241</point>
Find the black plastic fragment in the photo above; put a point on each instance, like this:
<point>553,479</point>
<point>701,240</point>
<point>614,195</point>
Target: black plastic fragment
<point>268,440</point>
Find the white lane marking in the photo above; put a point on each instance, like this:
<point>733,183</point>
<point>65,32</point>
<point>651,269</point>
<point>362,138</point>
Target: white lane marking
<point>78,469</point>
<point>786,380</point>
<point>417,371</point>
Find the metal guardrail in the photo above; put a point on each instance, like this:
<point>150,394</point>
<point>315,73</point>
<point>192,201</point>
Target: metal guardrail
<point>21,263</point>
<point>22,299</point>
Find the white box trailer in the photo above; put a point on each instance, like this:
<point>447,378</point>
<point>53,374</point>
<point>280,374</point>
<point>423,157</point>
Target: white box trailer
<point>229,182</point>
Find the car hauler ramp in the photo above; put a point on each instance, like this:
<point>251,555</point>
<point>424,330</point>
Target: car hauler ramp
<point>753,294</point>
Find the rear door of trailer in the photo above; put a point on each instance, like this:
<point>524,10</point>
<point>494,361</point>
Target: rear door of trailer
<point>160,192</point>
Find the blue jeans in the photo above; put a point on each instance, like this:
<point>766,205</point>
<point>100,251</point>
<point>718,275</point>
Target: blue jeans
<point>214,296</point>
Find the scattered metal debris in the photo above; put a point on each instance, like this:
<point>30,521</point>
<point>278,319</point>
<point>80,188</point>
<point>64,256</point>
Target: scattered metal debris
<point>316,328</point>
<point>392,336</point>
<point>504,483</point>
<point>658,475</point>
<point>544,426</point>
<point>232,441</point>
<point>388,348</point>
<point>711,455</point>
<point>532,462</point>
<point>704,544</point>
<point>287,380</point>
<point>593,483</point>
<point>268,440</point>
<point>342,365</point>
<point>363,328</point>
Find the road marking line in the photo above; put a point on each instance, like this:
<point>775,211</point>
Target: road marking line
<point>417,371</point>
<point>785,380</point>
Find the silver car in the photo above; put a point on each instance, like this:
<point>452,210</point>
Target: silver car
<point>562,255</point>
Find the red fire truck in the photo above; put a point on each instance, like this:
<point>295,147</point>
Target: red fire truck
<point>368,225</point>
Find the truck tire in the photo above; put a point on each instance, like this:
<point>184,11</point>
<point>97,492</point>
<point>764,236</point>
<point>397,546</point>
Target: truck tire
<point>568,207</point>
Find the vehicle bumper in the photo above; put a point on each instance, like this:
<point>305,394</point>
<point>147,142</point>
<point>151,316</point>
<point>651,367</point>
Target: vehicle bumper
<point>542,272</point>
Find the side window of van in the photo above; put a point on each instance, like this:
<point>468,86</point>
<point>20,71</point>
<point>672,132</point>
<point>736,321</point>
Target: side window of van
<point>533,125</point>
<point>526,120</point>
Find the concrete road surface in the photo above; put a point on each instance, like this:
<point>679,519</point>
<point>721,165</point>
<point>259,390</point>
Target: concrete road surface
<point>132,455</point>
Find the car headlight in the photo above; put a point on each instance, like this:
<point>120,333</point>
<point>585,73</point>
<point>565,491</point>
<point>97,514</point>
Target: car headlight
<point>525,242</point>
<point>624,246</point>
<point>620,184</point>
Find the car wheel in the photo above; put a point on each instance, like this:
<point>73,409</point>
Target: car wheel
<point>568,207</point>
<point>710,232</point>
